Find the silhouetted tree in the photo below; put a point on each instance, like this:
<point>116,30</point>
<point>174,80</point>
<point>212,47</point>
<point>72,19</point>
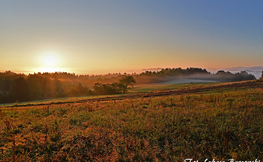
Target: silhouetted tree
<point>58,87</point>
<point>47,88</point>
<point>97,88</point>
<point>125,82</point>
<point>21,89</point>
<point>35,90</point>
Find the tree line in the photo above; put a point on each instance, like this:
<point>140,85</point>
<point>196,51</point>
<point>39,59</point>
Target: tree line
<point>175,72</point>
<point>19,87</point>
<point>169,74</point>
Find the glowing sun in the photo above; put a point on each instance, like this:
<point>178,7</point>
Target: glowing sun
<point>49,62</point>
<point>50,59</point>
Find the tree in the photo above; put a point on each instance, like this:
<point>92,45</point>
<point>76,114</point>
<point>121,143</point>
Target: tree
<point>35,90</point>
<point>262,76</point>
<point>126,82</point>
<point>47,87</point>
<point>21,89</point>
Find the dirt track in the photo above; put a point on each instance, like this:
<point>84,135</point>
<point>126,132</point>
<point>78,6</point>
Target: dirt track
<point>244,84</point>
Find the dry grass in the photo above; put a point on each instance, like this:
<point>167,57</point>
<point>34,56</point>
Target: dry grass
<point>215,125</point>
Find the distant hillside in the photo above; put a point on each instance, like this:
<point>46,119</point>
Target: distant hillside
<point>19,87</point>
<point>255,70</point>
<point>167,74</point>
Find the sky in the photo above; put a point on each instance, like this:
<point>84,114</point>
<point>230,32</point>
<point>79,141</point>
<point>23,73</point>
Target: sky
<point>100,37</point>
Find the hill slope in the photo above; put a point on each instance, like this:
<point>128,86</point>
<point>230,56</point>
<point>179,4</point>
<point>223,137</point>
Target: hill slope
<point>216,121</point>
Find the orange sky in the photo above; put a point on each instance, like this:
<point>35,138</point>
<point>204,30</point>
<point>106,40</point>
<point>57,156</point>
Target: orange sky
<point>106,37</point>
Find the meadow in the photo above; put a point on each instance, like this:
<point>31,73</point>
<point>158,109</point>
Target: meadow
<point>203,121</point>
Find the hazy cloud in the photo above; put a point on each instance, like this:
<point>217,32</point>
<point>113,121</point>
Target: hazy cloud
<point>152,69</point>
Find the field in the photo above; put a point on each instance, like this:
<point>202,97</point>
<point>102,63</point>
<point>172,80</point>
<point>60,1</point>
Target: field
<point>153,123</point>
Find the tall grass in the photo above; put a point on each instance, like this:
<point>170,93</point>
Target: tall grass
<point>219,125</point>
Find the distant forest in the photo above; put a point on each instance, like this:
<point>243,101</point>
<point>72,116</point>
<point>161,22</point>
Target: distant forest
<point>20,87</point>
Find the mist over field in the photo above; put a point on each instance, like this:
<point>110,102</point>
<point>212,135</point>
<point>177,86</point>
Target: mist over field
<point>256,70</point>
<point>180,81</point>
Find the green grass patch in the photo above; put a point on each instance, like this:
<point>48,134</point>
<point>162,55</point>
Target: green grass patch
<point>162,87</point>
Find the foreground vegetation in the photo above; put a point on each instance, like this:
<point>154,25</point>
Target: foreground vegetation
<point>216,124</point>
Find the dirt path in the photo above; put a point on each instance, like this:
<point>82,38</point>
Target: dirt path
<point>243,84</point>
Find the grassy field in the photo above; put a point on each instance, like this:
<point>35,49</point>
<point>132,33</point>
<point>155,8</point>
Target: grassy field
<point>220,123</point>
<point>135,90</point>
<point>55,101</point>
